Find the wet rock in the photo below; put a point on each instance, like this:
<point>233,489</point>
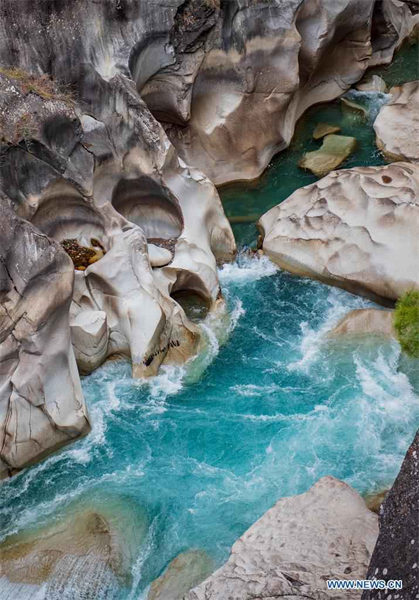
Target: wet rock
<point>334,150</point>
<point>365,321</point>
<point>374,83</point>
<point>374,501</point>
<point>397,124</point>
<point>184,572</point>
<point>41,401</point>
<point>85,553</point>
<point>355,106</point>
<point>355,228</point>
<point>323,129</point>
<point>325,533</point>
<point>395,554</point>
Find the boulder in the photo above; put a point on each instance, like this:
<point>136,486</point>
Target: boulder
<point>323,129</point>
<point>41,401</point>
<point>373,83</point>
<point>183,573</point>
<point>159,257</point>
<point>355,228</point>
<point>365,321</point>
<point>397,124</point>
<point>296,546</point>
<point>395,554</point>
<point>334,150</point>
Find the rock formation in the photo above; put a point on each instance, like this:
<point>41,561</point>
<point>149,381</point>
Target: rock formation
<point>184,572</point>
<point>41,401</point>
<point>365,321</point>
<point>397,124</point>
<point>355,228</point>
<point>395,554</point>
<point>296,546</point>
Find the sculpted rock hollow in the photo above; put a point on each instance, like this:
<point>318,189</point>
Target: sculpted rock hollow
<point>355,228</point>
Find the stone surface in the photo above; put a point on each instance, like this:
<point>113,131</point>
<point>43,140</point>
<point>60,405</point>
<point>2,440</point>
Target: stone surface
<point>365,321</point>
<point>89,336</point>
<point>334,150</point>
<point>159,257</point>
<point>395,554</point>
<point>355,228</point>
<point>290,552</point>
<point>373,83</point>
<point>227,59</point>
<point>397,124</point>
<point>87,552</point>
<point>184,572</point>
<point>41,402</point>
<point>323,129</point>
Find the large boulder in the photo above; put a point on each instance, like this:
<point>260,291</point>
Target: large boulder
<point>395,554</point>
<point>41,402</point>
<point>397,124</point>
<point>296,546</point>
<point>355,228</point>
<point>365,321</point>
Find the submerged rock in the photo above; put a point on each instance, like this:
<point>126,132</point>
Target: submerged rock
<point>86,553</point>
<point>397,124</point>
<point>352,105</point>
<point>184,572</point>
<point>395,554</point>
<point>355,228</point>
<point>373,83</point>
<point>334,150</point>
<point>365,321</point>
<point>323,129</point>
<point>296,546</point>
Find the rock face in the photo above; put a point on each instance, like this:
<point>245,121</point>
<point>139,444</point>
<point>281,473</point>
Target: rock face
<point>395,555</point>
<point>227,74</point>
<point>41,402</point>
<point>355,228</point>
<point>334,150</point>
<point>295,547</point>
<point>397,124</point>
<point>365,321</point>
<point>84,161</point>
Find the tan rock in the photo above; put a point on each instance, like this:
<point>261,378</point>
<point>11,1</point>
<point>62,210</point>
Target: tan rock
<point>355,228</point>
<point>183,573</point>
<point>325,533</point>
<point>397,124</point>
<point>365,321</point>
<point>323,129</point>
<point>373,83</point>
<point>334,150</point>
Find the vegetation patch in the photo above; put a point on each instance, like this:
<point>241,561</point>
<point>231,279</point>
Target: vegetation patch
<point>83,256</point>
<point>406,322</point>
<point>41,85</point>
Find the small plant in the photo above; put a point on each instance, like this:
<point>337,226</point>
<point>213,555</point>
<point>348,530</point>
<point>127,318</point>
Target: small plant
<point>41,85</point>
<point>406,322</point>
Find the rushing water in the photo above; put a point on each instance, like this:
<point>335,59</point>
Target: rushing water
<point>193,457</point>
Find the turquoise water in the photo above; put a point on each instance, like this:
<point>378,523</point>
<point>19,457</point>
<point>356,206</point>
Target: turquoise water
<point>198,462</point>
<point>193,457</point>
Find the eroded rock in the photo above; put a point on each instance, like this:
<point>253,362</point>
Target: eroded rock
<point>323,129</point>
<point>41,401</point>
<point>397,124</point>
<point>355,228</point>
<point>325,533</point>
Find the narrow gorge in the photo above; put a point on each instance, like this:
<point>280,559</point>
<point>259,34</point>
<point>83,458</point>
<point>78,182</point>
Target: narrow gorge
<point>209,300</point>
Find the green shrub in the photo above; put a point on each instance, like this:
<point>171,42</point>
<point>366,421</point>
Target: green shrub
<point>406,322</point>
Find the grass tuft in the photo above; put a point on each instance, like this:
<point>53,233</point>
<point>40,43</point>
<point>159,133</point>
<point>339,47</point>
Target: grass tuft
<point>406,322</point>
